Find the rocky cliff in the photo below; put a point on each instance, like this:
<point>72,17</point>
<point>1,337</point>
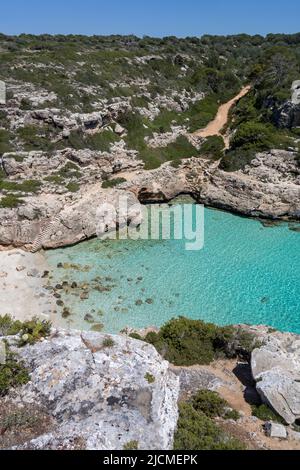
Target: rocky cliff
<point>267,187</point>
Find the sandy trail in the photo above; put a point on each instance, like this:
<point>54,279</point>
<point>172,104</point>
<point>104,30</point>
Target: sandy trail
<point>215,127</point>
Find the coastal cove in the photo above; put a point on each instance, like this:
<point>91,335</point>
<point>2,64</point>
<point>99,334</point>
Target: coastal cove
<point>246,273</point>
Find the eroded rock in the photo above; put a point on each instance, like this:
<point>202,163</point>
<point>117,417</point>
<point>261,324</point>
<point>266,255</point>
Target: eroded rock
<point>96,391</point>
<point>276,369</point>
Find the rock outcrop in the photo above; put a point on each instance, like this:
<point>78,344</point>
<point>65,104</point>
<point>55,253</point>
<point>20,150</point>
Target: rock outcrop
<point>268,187</point>
<point>288,115</point>
<point>276,369</point>
<point>104,391</point>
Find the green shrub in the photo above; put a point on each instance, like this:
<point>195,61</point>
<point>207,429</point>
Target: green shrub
<point>33,330</point>
<point>265,413</point>
<point>100,141</point>
<point>8,326</point>
<point>252,135</point>
<point>57,179</point>
<point>27,186</point>
<point>35,138</point>
<point>184,341</point>
<point>150,378</point>
<point>108,342</point>
<point>112,183</point>
<point>13,373</point>
<point>73,187</point>
<point>136,336</point>
<point>30,331</point>
<point>196,431</point>
<point>212,405</point>
<point>11,201</point>
<point>131,445</point>
<point>213,147</point>
<point>18,419</point>
<point>5,145</point>
<point>69,170</point>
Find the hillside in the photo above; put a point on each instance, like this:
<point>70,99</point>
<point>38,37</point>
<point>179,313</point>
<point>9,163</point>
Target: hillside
<point>82,111</point>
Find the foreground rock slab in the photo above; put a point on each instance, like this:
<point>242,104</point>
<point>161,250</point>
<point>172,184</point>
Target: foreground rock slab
<point>104,391</point>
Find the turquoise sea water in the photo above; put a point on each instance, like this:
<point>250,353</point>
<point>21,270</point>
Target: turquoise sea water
<point>246,273</point>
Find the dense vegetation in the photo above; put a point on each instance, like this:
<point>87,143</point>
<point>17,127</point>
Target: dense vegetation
<point>185,342</point>
<point>162,82</point>
<point>29,331</point>
<point>13,372</point>
<point>196,429</point>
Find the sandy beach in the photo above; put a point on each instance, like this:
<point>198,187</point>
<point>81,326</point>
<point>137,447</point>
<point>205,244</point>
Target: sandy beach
<point>22,294</point>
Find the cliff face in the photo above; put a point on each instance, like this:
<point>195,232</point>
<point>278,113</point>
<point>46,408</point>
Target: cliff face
<point>268,187</point>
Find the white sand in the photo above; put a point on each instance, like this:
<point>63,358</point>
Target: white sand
<point>23,296</point>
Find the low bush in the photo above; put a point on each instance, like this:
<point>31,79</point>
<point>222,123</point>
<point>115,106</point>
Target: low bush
<point>73,187</point>
<point>27,186</point>
<point>196,431</point>
<point>185,342</point>
<point>131,445</point>
<point>13,373</point>
<point>30,331</point>
<point>8,326</point>
<point>99,141</point>
<point>212,405</point>
<point>213,147</point>
<point>10,201</point>
<point>33,330</point>
<point>108,342</point>
<point>150,378</point>
<point>112,183</point>
<point>265,413</point>
<point>5,145</point>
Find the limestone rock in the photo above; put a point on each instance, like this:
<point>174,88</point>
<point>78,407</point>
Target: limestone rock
<point>96,391</point>
<point>276,430</point>
<point>119,129</point>
<point>192,379</point>
<point>294,435</point>
<point>288,115</point>
<point>296,92</point>
<point>276,369</point>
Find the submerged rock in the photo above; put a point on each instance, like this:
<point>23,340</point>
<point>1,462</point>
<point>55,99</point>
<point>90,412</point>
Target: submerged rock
<point>100,395</point>
<point>89,318</point>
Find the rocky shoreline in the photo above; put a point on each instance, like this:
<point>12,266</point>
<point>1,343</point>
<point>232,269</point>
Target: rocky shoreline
<point>268,188</point>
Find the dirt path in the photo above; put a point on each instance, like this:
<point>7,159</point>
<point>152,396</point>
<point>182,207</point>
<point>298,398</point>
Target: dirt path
<point>215,127</point>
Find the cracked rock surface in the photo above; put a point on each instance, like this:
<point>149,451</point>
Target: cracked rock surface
<point>97,389</point>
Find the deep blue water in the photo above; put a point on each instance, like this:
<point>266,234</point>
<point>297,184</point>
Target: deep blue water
<point>246,273</point>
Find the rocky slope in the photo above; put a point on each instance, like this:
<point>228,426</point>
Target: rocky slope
<point>101,391</point>
<point>96,391</point>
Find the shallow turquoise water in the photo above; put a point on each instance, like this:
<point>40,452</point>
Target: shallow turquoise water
<point>246,273</point>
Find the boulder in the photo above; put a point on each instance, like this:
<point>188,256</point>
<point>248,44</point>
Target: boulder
<point>288,115</point>
<point>119,129</point>
<point>276,369</point>
<point>296,92</point>
<point>275,430</point>
<point>95,388</point>
<point>294,435</point>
